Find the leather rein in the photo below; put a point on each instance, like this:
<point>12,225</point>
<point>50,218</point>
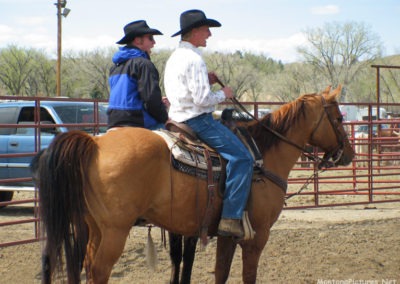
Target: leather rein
<point>323,162</point>
<point>309,154</point>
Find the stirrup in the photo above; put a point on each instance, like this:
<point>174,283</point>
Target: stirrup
<point>248,230</point>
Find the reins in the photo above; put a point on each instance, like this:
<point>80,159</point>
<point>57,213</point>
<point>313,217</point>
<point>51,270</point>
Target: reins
<point>307,153</point>
<point>306,183</point>
<point>323,162</point>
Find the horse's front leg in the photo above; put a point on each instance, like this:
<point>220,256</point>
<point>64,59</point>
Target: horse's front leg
<point>251,253</point>
<point>226,247</point>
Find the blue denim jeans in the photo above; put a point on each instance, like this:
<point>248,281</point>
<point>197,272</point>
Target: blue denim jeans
<point>239,168</point>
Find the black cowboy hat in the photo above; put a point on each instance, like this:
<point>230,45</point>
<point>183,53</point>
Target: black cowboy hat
<point>137,28</point>
<point>195,18</point>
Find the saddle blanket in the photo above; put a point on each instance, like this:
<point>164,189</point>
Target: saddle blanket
<point>184,155</point>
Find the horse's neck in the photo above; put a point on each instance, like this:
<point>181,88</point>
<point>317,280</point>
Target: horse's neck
<point>281,158</point>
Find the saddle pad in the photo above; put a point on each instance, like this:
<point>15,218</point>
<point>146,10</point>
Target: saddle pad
<point>184,155</point>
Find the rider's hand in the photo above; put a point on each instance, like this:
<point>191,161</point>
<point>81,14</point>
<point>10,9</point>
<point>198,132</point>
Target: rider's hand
<point>166,102</point>
<point>212,78</point>
<point>228,92</point>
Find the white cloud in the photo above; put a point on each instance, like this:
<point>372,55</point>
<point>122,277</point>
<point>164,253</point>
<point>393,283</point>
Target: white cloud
<point>6,34</point>
<point>283,49</point>
<point>279,48</point>
<point>325,10</point>
<point>5,29</point>
<point>87,43</point>
<point>29,21</point>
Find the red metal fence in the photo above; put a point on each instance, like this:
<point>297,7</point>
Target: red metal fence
<point>372,177</point>
<point>22,210</point>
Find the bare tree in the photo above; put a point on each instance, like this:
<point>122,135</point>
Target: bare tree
<point>339,51</point>
<point>390,78</point>
<point>87,73</point>
<point>16,65</point>
<point>245,73</point>
<point>159,58</point>
<point>230,70</point>
<point>42,82</point>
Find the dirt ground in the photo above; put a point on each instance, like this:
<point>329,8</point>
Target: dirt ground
<point>350,244</point>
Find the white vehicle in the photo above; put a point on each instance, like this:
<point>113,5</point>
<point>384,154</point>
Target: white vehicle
<point>349,112</point>
<point>364,113</point>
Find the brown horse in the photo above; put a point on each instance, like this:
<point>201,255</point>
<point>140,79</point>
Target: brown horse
<point>93,189</point>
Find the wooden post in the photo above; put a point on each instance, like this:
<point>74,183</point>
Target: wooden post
<point>58,70</point>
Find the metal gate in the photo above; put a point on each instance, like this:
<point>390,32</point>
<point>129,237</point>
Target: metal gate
<point>372,177</point>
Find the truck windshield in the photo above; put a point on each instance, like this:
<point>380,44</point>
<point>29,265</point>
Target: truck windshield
<point>71,114</point>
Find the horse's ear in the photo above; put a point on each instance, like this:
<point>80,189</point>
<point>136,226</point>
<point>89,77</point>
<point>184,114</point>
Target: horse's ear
<point>327,90</point>
<point>335,94</point>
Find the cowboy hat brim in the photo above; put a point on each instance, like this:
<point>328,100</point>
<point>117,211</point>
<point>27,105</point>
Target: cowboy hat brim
<point>130,36</point>
<point>206,22</point>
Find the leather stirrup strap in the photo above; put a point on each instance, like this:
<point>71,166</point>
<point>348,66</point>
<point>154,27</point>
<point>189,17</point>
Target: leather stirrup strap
<point>210,204</point>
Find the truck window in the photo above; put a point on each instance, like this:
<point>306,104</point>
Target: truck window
<point>8,115</point>
<point>80,114</point>
<point>75,114</point>
<point>27,116</point>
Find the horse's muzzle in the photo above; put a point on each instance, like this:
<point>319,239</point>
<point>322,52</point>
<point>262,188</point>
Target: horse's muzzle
<point>331,160</point>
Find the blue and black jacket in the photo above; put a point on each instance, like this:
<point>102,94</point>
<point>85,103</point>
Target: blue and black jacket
<point>135,97</point>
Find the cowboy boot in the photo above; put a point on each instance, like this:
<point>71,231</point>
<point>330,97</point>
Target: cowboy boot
<point>230,227</point>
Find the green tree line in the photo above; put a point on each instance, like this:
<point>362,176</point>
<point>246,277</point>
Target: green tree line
<point>337,53</point>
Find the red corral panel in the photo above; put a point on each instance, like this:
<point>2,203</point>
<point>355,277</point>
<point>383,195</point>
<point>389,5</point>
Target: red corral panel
<point>372,177</point>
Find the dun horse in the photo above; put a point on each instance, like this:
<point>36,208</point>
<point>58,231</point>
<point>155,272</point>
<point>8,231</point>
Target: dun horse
<point>92,189</point>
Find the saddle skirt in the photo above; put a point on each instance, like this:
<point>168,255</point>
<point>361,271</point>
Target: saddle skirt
<point>188,155</point>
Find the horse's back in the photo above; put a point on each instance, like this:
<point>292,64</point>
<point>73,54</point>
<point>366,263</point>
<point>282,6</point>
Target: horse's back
<point>131,150</point>
<point>130,139</point>
<point>132,164</point>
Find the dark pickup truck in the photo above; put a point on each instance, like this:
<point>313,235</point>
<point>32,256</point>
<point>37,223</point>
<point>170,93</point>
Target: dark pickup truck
<point>23,125</point>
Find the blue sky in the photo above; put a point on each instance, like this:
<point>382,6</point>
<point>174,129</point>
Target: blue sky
<point>271,27</point>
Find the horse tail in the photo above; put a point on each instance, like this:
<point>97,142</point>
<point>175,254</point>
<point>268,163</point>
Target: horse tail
<point>62,178</point>
<point>151,252</point>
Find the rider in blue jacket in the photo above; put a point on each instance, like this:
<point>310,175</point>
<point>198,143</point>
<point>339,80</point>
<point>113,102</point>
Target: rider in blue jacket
<point>135,96</point>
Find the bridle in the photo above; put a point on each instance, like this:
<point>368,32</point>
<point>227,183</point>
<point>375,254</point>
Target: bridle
<point>337,152</point>
<point>324,162</point>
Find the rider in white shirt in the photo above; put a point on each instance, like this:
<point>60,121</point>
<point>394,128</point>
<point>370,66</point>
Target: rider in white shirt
<point>187,86</point>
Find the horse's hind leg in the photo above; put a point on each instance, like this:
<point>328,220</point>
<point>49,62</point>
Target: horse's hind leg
<point>175,254</point>
<point>107,254</point>
<point>47,267</point>
<point>188,258</point>
<point>92,246</point>
<point>226,247</point>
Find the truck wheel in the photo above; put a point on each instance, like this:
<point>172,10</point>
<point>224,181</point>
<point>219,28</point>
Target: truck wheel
<point>6,196</point>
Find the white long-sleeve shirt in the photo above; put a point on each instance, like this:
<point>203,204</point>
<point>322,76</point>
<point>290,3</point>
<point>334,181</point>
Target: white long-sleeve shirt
<point>187,86</point>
